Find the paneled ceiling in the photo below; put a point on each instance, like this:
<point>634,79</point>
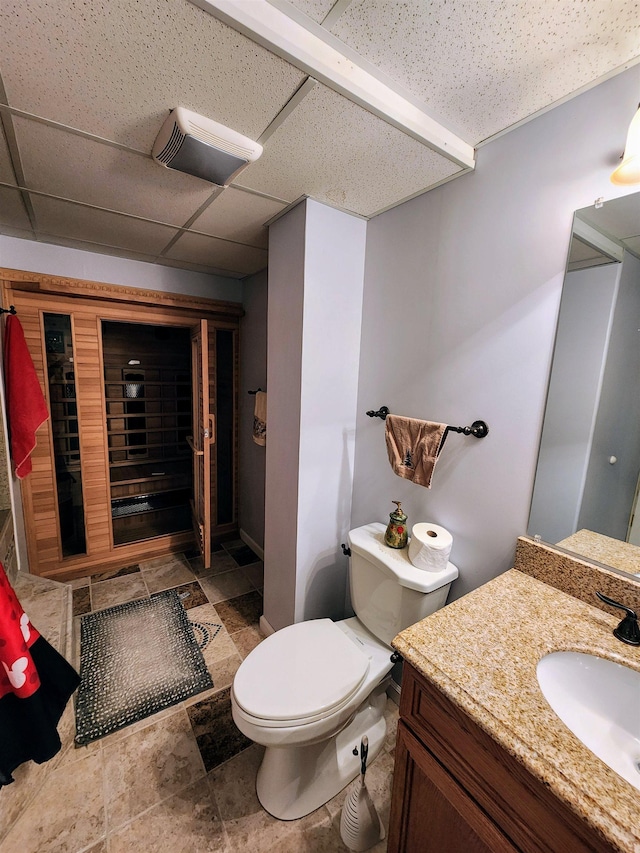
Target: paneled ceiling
<point>86,86</point>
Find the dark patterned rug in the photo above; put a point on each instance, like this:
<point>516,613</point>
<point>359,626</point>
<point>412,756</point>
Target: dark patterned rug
<point>135,660</point>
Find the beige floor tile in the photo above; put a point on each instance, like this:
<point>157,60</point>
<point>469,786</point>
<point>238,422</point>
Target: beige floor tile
<point>247,639</point>
<point>118,591</point>
<point>138,726</point>
<point>67,815</point>
<point>224,586</point>
<point>206,613</point>
<point>188,822</point>
<point>28,779</point>
<point>149,766</point>
<point>223,671</point>
<point>247,824</point>
<point>172,574</point>
<point>159,562</point>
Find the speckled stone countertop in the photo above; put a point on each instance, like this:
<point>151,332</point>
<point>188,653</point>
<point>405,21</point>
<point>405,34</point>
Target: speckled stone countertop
<point>604,549</point>
<point>482,652</point>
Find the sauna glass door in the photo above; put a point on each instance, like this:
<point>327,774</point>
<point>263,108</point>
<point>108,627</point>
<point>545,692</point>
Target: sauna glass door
<point>148,390</point>
<point>65,432</point>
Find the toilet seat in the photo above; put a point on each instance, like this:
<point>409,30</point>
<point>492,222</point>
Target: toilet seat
<point>300,674</point>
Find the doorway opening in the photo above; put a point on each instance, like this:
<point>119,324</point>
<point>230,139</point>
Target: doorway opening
<point>148,397</point>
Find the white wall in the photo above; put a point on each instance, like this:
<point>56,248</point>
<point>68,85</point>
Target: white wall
<point>316,274</point>
<point>462,288</point>
<point>253,375</point>
<point>584,325</point>
<point>48,259</point>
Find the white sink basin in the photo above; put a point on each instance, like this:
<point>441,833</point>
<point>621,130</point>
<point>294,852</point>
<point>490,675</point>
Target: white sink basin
<point>599,700</point>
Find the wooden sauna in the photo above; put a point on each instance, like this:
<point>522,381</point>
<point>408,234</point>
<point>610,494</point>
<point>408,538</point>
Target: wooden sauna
<point>139,456</point>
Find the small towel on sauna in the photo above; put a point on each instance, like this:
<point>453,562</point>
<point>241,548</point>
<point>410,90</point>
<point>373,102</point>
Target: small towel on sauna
<point>26,406</point>
<point>413,447</point>
<point>260,418</point>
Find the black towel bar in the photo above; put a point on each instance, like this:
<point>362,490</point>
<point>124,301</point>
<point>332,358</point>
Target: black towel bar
<point>10,310</point>
<point>478,429</point>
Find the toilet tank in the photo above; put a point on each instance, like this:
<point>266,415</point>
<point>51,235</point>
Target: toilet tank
<point>388,593</point>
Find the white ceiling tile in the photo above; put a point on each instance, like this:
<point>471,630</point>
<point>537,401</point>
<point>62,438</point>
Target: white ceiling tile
<point>633,244</point>
<point>115,68</point>
<point>12,210</point>
<point>482,66</point>
<point>6,169</point>
<point>73,221</point>
<point>66,165</point>
<point>240,216</point>
<point>337,152</point>
<point>317,10</point>
<point>211,252</point>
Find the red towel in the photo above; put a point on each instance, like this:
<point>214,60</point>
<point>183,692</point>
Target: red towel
<point>26,406</point>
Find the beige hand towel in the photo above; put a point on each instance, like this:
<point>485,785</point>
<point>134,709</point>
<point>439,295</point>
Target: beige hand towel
<point>260,418</point>
<point>413,447</point>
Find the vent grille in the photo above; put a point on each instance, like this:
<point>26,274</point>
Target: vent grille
<point>173,145</point>
<point>219,142</point>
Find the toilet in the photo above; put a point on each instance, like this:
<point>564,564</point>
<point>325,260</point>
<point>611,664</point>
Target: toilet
<point>312,690</point>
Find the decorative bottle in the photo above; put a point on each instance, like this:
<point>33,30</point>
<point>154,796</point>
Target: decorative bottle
<point>396,533</point>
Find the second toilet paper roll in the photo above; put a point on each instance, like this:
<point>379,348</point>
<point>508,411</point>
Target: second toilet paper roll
<point>430,546</point>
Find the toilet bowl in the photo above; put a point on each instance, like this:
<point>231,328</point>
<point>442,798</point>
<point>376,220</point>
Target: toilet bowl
<point>312,690</point>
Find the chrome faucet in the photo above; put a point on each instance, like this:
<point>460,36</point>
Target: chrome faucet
<point>628,630</point>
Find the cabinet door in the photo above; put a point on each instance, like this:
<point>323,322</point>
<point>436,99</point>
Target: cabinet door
<point>201,441</point>
<point>431,812</point>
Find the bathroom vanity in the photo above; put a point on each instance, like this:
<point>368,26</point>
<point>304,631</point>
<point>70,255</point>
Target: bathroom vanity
<point>482,761</point>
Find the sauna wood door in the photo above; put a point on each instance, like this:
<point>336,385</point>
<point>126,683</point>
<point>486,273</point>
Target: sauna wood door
<point>202,439</point>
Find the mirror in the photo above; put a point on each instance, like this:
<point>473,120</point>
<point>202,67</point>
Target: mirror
<point>586,486</point>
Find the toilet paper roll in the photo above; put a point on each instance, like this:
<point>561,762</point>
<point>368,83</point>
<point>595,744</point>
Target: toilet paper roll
<point>430,546</point>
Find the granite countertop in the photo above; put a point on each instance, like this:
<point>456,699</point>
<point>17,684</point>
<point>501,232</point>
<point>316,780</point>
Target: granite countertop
<point>604,549</point>
<point>482,652</point>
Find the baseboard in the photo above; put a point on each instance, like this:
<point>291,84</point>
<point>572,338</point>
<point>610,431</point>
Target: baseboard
<point>265,627</point>
<point>252,544</point>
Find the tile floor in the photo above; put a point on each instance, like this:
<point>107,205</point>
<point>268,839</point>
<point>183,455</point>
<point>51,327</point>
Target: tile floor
<point>184,779</point>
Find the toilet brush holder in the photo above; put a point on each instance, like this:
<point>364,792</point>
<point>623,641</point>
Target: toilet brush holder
<point>360,824</point>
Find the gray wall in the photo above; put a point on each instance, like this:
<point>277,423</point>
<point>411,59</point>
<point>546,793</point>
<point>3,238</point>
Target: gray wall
<point>462,289</point>
<point>584,325</point>
<point>253,375</point>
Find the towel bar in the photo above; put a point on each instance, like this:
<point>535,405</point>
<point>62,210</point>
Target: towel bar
<point>9,310</point>
<point>478,429</point>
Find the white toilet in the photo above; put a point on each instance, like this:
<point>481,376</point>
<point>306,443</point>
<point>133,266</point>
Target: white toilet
<point>309,692</point>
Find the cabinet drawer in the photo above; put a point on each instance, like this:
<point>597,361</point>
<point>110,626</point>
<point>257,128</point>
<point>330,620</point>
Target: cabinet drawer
<point>527,812</point>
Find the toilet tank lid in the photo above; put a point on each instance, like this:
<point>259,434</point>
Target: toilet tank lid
<point>368,542</point>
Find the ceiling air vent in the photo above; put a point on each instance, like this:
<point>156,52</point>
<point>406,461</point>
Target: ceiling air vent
<point>191,143</point>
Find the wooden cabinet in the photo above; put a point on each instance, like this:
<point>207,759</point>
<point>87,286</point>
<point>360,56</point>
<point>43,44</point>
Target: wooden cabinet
<point>455,790</point>
<point>113,469</point>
